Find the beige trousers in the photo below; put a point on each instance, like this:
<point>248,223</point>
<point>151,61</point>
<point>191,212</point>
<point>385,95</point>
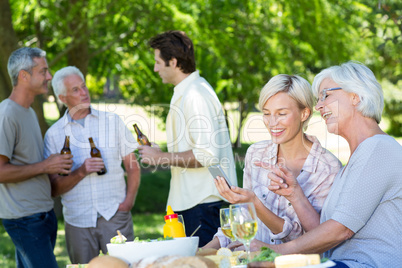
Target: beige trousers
<point>83,244</point>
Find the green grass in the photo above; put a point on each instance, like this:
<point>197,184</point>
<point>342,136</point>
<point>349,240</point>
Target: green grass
<point>7,258</point>
<point>153,192</point>
<point>148,225</point>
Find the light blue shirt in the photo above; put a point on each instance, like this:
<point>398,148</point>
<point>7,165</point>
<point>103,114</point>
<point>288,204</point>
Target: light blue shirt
<point>366,197</point>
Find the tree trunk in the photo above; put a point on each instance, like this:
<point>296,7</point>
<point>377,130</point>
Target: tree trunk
<point>5,85</point>
<point>243,113</point>
<point>37,105</point>
<point>237,143</point>
<point>79,55</point>
<point>8,43</point>
<point>226,113</point>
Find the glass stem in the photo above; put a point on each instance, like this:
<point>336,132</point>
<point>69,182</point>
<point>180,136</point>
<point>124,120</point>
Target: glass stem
<point>247,247</point>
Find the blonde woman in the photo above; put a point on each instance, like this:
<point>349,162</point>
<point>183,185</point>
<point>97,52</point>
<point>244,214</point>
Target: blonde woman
<point>284,214</point>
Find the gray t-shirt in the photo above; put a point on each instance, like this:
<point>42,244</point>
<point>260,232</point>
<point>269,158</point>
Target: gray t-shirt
<point>367,198</point>
<point>21,141</point>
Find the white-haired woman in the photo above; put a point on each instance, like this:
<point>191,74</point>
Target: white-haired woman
<point>284,214</point>
<point>361,218</point>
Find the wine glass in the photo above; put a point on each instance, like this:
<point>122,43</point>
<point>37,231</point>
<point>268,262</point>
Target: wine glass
<point>244,223</point>
<point>224,214</point>
<point>180,219</point>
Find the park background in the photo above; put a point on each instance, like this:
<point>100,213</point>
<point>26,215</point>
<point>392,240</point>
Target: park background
<point>239,46</point>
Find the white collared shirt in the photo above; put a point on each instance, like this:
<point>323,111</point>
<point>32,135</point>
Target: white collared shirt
<point>94,194</point>
<point>196,122</point>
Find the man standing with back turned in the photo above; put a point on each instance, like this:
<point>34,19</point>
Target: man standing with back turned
<point>197,137</point>
<point>26,207</point>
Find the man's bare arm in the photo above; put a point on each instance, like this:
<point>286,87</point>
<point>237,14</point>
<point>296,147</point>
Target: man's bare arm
<point>154,156</point>
<point>132,167</point>
<point>55,163</point>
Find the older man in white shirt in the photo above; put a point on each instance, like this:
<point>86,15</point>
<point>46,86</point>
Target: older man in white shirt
<point>94,206</point>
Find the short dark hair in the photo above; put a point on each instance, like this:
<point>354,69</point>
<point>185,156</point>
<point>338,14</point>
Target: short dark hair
<point>175,44</point>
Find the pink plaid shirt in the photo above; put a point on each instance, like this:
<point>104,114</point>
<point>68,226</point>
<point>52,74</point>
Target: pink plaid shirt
<point>315,179</point>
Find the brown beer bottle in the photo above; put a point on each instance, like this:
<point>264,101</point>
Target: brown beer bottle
<point>65,150</point>
<point>141,138</point>
<point>95,152</point>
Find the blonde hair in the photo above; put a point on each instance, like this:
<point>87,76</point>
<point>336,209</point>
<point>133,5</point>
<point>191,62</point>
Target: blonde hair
<point>295,86</point>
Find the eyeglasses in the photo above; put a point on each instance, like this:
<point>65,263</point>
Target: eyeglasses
<point>324,95</point>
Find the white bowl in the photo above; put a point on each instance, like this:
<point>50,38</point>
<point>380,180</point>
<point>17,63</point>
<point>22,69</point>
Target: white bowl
<point>135,251</point>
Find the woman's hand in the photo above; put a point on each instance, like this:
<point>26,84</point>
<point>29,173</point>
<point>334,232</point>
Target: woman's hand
<point>236,246</point>
<point>283,181</point>
<point>255,245</point>
<point>233,194</point>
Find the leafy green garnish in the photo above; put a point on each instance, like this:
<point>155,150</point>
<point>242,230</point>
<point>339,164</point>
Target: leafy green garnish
<point>266,254</point>
<point>137,239</point>
<point>163,239</point>
<point>118,240</point>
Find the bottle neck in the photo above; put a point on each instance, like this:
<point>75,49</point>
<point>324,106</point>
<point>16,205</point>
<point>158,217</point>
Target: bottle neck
<point>67,142</point>
<point>137,130</point>
<point>171,217</point>
<point>91,141</point>
<point>172,220</point>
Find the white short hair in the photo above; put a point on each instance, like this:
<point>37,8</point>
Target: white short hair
<point>295,86</point>
<point>354,77</point>
<point>58,85</point>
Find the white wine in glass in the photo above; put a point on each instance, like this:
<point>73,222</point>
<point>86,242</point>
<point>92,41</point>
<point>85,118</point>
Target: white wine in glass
<point>226,228</point>
<point>244,223</point>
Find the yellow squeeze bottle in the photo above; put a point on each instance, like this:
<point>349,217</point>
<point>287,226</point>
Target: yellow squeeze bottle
<point>172,228</point>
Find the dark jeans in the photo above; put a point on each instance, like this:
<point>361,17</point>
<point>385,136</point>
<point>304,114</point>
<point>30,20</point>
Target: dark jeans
<point>206,214</point>
<point>34,238</point>
<point>340,265</point>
